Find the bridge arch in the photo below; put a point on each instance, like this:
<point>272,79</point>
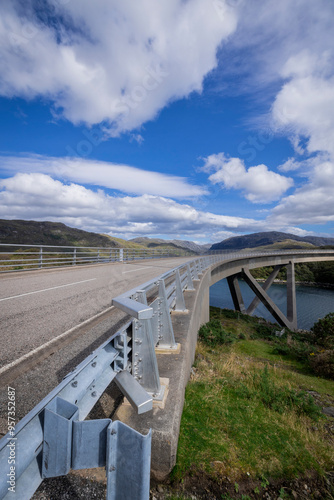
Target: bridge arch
<point>239,266</point>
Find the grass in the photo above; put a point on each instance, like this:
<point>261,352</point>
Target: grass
<point>247,412</point>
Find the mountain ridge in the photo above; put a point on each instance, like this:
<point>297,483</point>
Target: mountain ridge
<point>266,238</point>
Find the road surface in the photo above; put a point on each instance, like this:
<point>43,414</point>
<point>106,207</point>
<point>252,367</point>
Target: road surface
<point>38,307</point>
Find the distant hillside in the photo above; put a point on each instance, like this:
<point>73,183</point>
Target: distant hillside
<point>51,233</point>
<point>58,234</point>
<point>270,238</point>
<point>287,245</point>
<point>185,245</point>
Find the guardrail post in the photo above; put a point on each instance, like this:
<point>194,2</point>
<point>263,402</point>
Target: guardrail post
<point>145,366</point>
<point>190,285</point>
<point>195,271</point>
<point>40,259</point>
<point>121,254</point>
<point>98,255</point>
<point>179,302</point>
<point>162,320</point>
<point>74,256</point>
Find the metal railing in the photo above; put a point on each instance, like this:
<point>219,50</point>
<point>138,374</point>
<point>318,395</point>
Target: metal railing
<point>54,437</point>
<point>14,257</point>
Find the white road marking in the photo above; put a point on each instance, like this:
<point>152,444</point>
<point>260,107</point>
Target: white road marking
<point>52,341</point>
<point>46,289</point>
<point>133,270</point>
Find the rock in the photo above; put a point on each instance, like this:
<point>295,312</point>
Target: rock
<point>160,489</point>
<point>329,411</point>
<point>294,494</point>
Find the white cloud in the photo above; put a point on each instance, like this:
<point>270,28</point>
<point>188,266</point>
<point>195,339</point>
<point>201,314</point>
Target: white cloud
<point>271,32</point>
<point>258,184</point>
<point>303,108</point>
<point>119,62</point>
<point>124,178</point>
<point>313,203</point>
<point>37,196</point>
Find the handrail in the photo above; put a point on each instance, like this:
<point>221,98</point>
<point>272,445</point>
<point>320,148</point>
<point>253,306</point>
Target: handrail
<point>31,257</point>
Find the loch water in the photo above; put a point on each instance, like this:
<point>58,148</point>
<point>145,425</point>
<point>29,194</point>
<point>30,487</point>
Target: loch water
<point>312,302</point>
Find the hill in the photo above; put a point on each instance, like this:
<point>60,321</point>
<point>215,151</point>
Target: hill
<point>51,233</point>
<point>183,244</point>
<point>27,232</point>
<point>271,238</point>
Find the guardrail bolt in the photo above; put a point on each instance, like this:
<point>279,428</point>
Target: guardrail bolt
<point>75,383</point>
<point>94,364</point>
<point>112,468</point>
<point>93,394</point>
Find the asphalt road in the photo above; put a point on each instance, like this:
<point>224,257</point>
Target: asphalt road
<point>38,306</point>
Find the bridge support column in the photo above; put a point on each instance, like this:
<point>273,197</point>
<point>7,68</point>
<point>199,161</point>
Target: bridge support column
<point>266,300</point>
<point>291,294</point>
<point>255,302</point>
<point>236,295</point>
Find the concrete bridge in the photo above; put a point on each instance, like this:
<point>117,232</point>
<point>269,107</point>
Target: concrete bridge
<point>174,368</point>
<point>149,354</point>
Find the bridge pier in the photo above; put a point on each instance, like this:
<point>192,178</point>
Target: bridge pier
<point>236,294</point>
<point>290,320</point>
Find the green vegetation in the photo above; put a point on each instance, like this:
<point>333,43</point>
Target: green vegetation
<point>312,272</point>
<point>287,244</point>
<point>323,329</point>
<point>253,408</point>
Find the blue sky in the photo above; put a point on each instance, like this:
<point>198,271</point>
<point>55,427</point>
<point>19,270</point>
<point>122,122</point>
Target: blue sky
<point>197,119</point>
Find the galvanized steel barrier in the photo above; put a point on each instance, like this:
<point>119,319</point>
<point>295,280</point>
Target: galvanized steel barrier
<point>54,437</point>
<point>15,257</point>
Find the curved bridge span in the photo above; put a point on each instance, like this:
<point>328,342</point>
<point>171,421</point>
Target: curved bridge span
<point>177,333</point>
<point>240,265</point>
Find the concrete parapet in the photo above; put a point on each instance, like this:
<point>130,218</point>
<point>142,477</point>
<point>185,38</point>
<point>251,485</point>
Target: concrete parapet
<point>165,421</point>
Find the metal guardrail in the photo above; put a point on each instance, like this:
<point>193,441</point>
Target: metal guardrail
<point>14,257</point>
<point>54,437</point>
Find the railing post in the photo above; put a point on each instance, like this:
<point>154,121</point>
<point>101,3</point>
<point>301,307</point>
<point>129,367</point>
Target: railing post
<point>179,298</point>
<point>291,294</point>
<point>162,321</point>
<point>121,254</point>
<point>74,257</point>
<point>190,285</point>
<point>40,259</point>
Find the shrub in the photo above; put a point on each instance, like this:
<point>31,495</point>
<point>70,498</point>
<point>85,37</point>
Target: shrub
<point>296,349</point>
<point>322,363</point>
<point>212,334</point>
<point>323,329</point>
<point>264,331</point>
